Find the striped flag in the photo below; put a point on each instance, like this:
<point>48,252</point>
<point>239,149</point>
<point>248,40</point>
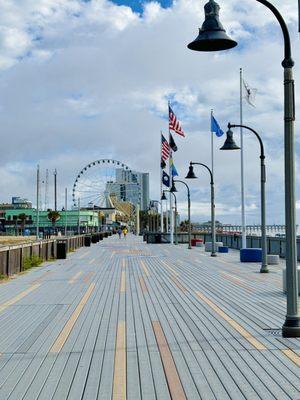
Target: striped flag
<point>165,148</point>
<point>174,124</point>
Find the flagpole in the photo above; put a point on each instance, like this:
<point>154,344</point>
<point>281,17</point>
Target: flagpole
<point>212,144</point>
<point>244,234</point>
<point>170,196</point>
<point>161,189</point>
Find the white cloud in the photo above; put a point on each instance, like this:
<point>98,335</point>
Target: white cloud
<point>85,80</point>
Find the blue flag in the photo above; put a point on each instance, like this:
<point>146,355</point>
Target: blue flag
<point>173,169</point>
<point>215,127</point>
<point>166,179</point>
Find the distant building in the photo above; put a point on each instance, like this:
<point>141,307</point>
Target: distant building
<point>132,186</point>
<point>16,203</point>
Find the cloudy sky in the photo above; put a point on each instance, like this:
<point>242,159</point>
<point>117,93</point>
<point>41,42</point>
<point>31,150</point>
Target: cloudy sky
<point>85,80</point>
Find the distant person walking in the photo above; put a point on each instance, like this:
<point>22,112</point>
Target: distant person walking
<point>125,232</point>
<point>120,233</point>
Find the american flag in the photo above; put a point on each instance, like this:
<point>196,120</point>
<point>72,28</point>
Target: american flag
<point>174,124</point>
<point>165,148</point>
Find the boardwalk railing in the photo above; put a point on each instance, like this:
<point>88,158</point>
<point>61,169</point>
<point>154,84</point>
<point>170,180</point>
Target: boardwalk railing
<point>275,245</point>
<point>12,257</point>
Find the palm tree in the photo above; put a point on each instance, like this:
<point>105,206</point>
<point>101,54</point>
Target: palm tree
<point>22,217</point>
<point>53,216</point>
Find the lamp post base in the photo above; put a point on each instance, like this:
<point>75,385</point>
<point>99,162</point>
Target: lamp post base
<point>213,255</point>
<point>264,269</point>
<point>291,327</point>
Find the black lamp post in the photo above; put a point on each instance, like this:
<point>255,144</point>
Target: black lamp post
<point>189,211</point>
<point>210,39</point>
<point>191,175</point>
<point>230,145</point>
<point>173,190</point>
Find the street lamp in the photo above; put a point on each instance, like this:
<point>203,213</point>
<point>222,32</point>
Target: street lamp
<point>230,145</point>
<point>161,223</point>
<point>211,42</point>
<point>189,210</point>
<point>191,175</point>
<point>173,190</point>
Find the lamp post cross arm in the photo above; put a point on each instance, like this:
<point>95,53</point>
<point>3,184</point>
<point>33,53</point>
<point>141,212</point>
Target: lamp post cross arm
<point>262,151</point>
<point>208,169</point>
<point>288,61</point>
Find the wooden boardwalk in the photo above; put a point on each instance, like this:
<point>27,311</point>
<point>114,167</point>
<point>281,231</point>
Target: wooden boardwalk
<point>127,320</point>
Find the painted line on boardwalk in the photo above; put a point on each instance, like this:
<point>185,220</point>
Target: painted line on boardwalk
<point>145,269</point>
<point>123,282</point>
<point>92,261</point>
<point>83,255</point>
<point>64,334</point>
<point>292,356</point>
<point>143,285</point>
<point>174,382</point>
<point>170,268</point>
<point>75,277</point>
<point>123,263</point>
<point>41,278</point>
<point>88,277</point>
<point>254,342</point>
<point>17,298</point>
<point>178,284</point>
<point>119,383</point>
<point>236,281</point>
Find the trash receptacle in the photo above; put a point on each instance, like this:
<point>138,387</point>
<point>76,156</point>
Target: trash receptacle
<point>94,238</point>
<point>87,240</point>
<point>61,249</point>
<point>157,238</point>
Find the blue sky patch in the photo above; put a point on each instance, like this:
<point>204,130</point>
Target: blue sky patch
<point>137,6</point>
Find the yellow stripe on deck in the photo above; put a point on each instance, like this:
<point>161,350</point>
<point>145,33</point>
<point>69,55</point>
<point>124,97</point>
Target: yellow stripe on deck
<point>172,376</point>
<point>83,255</point>
<point>145,268</point>
<point>119,384</point>
<point>255,343</point>
<point>123,282</point>
<point>292,356</point>
<point>170,268</point>
<point>64,334</point>
<point>92,261</point>
<point>20,296</point>
<point>75,277</point>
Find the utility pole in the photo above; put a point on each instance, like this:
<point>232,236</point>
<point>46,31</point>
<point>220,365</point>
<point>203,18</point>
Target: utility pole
<point>55,189</point>
<point>66,211</point>
<point>78,217</point>
<point>46,190</point>
<point>37,202</point>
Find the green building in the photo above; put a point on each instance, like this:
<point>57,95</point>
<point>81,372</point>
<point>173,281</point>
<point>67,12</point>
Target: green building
<point>15,221</point>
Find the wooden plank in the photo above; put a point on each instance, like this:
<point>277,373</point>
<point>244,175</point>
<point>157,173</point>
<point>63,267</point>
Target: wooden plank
<point>119,383</point>
<point>75,277</point>
<point>174,383</point>
<point>60,341</point>
<point>17,298</point>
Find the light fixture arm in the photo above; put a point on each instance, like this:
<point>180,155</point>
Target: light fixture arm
<point>288,61</point>
<point>208,169</point>
<point>262,150</point>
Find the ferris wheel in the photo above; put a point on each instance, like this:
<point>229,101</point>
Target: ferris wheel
<point>106,183</point>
